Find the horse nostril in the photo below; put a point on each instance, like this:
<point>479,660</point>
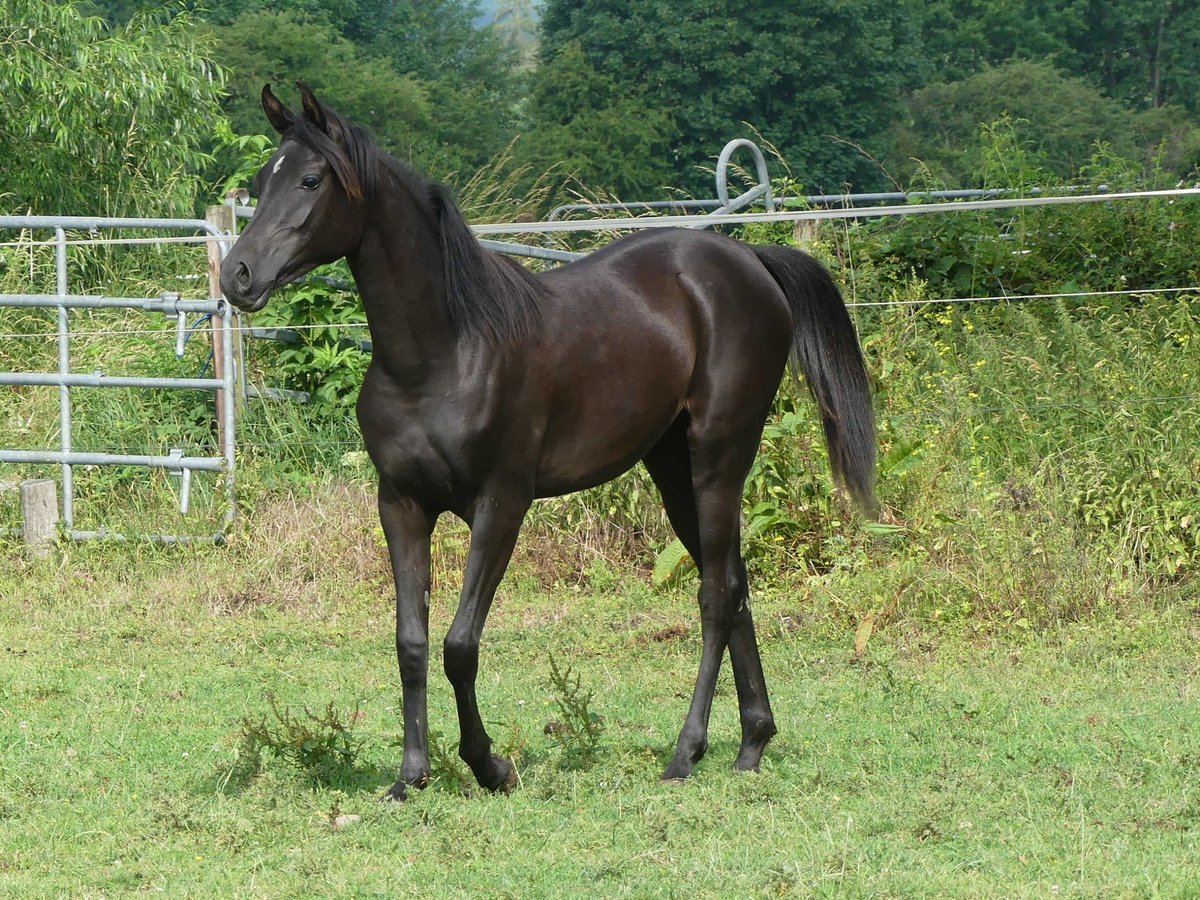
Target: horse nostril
<point>243,277</point>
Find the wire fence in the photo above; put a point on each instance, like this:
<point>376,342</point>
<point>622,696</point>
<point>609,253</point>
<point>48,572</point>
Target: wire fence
<point>255,429</point>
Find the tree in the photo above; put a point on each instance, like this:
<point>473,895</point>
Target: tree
<point>1059,117</point>
<point>469,75</point>
<point>587,126</point>
<point>1145,53</point>
<point>434,89</point>
<point>100,120</point>
<point>279,48</point>
<point>818,80</point>
<point>516,22</point>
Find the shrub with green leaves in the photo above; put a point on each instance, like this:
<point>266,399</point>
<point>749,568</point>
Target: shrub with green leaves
<point>91,140</point>
<point>1095,246</point>
<point>327,361</point>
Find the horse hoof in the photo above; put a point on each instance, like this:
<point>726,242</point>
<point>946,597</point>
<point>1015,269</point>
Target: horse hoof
<point>397,793</point>
<point>676,772</point>
<point>501,775</point>
<point>749,758</point>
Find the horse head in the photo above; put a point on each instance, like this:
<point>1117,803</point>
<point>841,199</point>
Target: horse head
<point>310,203</point>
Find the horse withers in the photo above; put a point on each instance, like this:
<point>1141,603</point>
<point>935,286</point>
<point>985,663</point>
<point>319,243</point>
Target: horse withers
<point>490,386</point>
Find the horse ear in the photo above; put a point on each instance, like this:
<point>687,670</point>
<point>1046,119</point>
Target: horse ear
<point>278,115</point>
<point>318,114</point>
<point>313,111</point>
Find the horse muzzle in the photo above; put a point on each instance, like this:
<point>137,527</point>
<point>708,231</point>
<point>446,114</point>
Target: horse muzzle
<point>240,288</point>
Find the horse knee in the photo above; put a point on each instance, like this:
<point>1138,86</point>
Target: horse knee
<point>460,658</point>
<point>412,654</point>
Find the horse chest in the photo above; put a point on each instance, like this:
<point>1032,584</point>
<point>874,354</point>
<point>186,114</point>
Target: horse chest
<point>425,445</point>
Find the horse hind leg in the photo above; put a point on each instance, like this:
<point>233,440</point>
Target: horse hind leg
<point>669,465</point>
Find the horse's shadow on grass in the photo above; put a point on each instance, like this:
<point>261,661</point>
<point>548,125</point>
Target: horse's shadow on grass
<point>347,773</point>
<point>344,777</point>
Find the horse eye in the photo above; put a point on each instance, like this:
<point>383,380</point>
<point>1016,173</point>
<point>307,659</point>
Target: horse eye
<point>310,182</point>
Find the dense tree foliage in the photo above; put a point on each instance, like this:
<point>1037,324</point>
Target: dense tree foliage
<point>278,48</point>
<point>608,135</point>
<point>103,120</point>
<point>434,88</point>
<point>813,78</point>
<point>629,98</point>
<point>1141,52</point>
<point>1060,118</point>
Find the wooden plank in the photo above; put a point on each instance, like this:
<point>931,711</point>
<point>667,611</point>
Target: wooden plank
<point>222,217</point>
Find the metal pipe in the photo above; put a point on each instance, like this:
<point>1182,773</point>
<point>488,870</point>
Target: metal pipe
<point>632,224</point>
<point>535,252</point>
<point>735,204</point>
<point>760,168</point>
<point>85,458</point>
<point>100,380</point>
<point>93,222</point>
<point>645,204</point>
<point>277,394</point>
<point>64,367</point>
<point>234,382</point>
<point>230,389</point>
<point>167,305</point>
<point>106,535</point>
<point>184,539</point>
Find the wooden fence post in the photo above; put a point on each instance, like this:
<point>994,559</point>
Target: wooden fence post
<point>221,217</point>
<point>39,513</point>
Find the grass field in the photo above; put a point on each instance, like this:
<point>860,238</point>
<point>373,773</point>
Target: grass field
<point>943,761</point>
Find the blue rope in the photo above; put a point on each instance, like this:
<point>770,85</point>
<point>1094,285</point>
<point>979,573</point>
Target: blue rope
<point>187,336</point>
<point>207,363</point>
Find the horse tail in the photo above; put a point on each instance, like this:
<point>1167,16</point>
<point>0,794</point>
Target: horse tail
<point>825,346</point>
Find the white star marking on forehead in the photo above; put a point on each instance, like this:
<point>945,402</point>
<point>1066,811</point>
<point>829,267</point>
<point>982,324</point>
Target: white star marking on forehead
<point>278,163</point>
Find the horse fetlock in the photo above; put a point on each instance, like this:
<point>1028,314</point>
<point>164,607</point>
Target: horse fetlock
<point>755,735</point>
<point>758,730</point>
<point>415,774</point>
<point>687,754</point>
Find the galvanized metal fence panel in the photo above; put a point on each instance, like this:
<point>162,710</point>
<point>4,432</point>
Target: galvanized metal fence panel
<point>224,385</point>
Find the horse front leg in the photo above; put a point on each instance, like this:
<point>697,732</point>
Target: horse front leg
<point>407,528</point>
<point>494,528</point>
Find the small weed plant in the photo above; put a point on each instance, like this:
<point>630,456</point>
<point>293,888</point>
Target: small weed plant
<point>579,728</point>
<point>321,745</point>
<point>446,769</point>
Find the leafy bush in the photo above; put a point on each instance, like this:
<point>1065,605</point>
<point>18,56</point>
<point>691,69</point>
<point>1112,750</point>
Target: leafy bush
<point>327,362</point>
<point>1095,246</point>
<point>92,140</point>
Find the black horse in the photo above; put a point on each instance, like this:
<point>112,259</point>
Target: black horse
<point>491,386</point>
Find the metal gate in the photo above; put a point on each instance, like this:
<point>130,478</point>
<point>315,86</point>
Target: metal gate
<point>223,384</point>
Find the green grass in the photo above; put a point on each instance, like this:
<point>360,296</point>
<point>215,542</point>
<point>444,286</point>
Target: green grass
<point>942,762</point>
<point>1022,723</point>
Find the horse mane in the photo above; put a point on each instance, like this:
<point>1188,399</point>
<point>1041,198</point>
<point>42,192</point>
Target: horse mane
<point>487,296</point>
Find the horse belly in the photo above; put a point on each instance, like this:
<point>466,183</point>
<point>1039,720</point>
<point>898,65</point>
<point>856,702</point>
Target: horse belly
<point>596,433</point>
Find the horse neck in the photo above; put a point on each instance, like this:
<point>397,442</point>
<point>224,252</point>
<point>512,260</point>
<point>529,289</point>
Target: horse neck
<point>398,268</point>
